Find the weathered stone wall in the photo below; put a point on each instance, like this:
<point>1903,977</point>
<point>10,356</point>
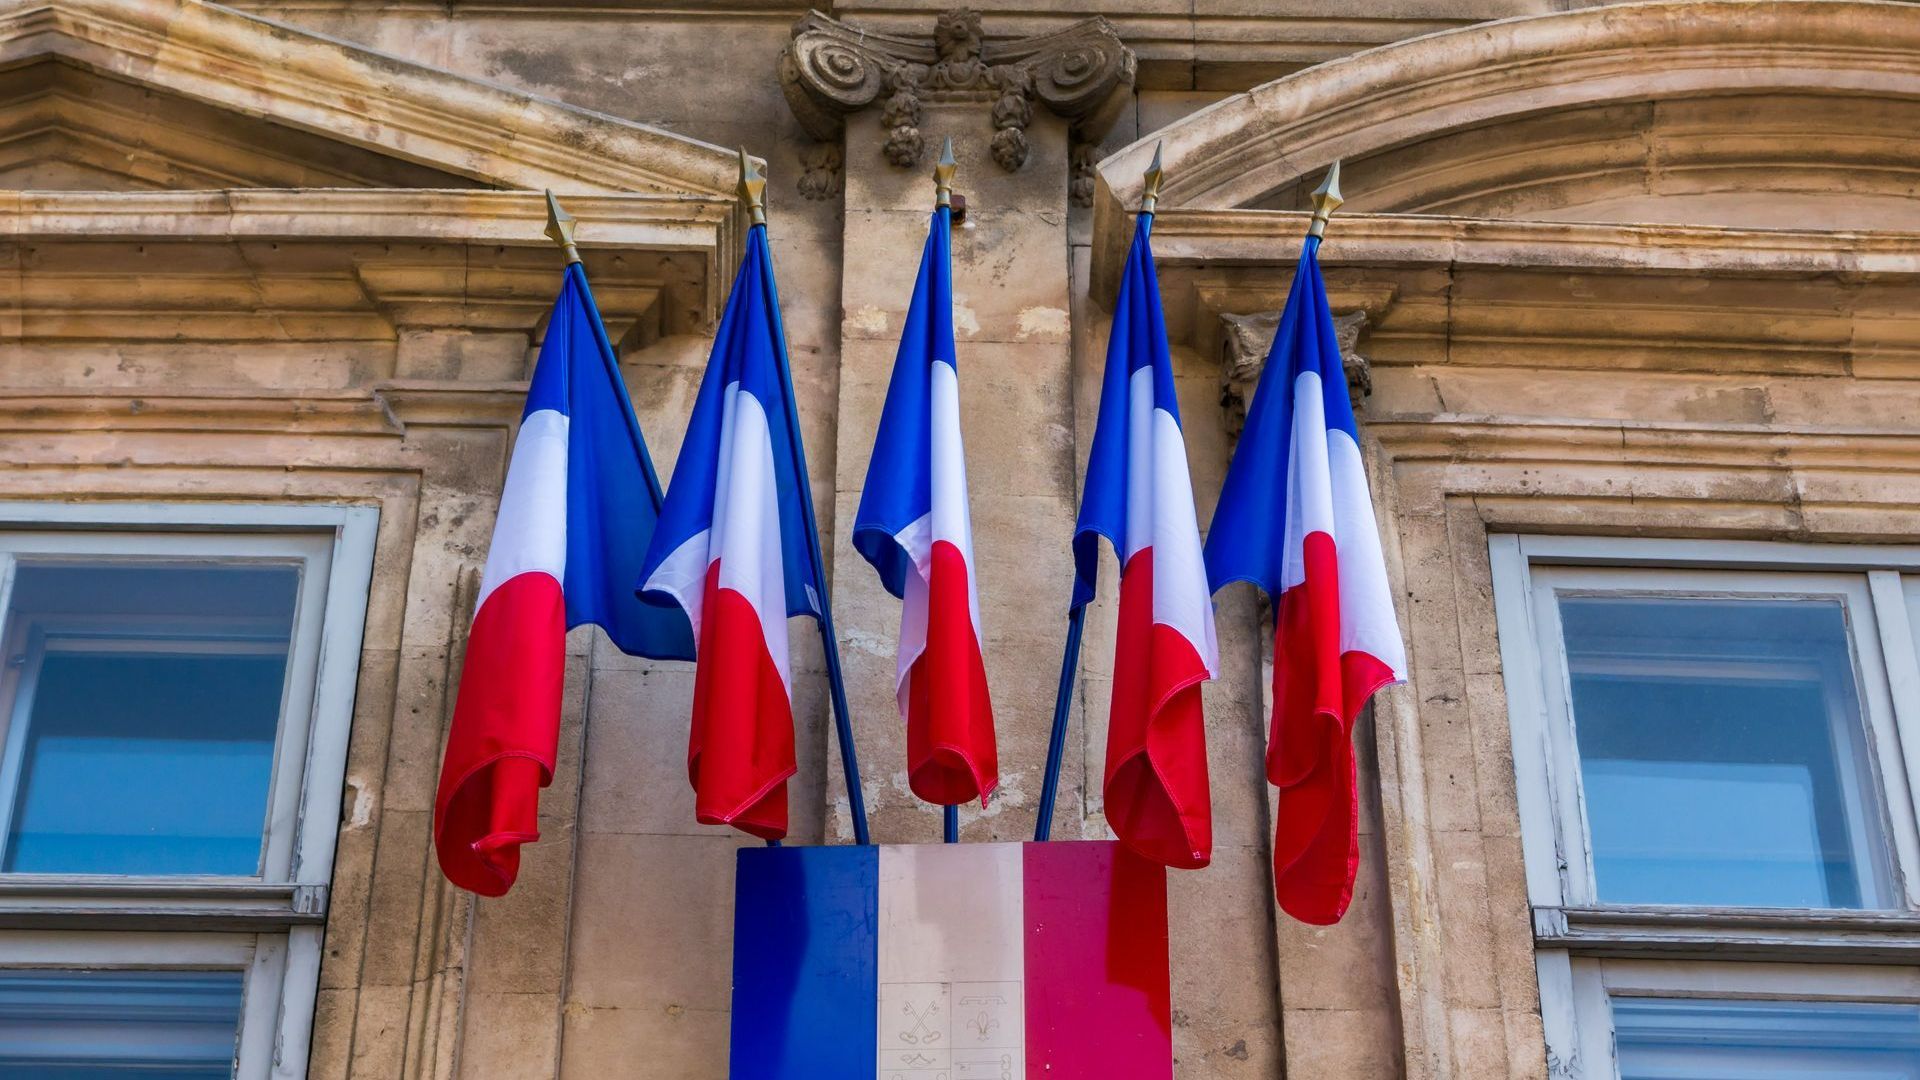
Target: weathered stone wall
<point>388,372</point>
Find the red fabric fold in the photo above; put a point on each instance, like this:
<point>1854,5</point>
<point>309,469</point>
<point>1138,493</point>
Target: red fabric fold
<point>740,753</point>
<point>505,732</point>
<point>1156,793</point>
<point>951,756</point>
<point>1317,692</point>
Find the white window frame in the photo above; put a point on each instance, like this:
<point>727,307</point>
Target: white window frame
<point>1587,949</point>
<point>269,925</point>
<point>1583,988</point>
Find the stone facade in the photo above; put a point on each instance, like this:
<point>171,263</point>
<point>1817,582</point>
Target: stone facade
<point>1641,270</point>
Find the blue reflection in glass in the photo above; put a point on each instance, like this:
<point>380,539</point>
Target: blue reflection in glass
<point>1722,751</point>
<point>150,700</point>
<point>1695,1039</point>
<point>119,1025</point>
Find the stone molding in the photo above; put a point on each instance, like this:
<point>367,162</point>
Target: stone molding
<point>505,138</point>
<point>829,70</point>
<point>1244,149</point>
<point>410,287</point>
<point>1267,242</point>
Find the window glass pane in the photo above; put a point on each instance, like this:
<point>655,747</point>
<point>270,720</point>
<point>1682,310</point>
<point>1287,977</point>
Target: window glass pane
<point>1686,1039</point>
<point>119,1025</point>
<point>1722,752</point>
<point>147,701</point>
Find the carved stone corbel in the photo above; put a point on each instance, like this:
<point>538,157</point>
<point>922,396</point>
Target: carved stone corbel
<point>1081,73</point>
<point>1244,342</point>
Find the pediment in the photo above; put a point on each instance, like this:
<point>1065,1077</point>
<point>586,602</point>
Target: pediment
<point>1738,113</point>
<point>182,94</point>
<point>65,128</point>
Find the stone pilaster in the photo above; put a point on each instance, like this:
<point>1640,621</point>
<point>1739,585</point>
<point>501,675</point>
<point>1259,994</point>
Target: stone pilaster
<point>1011,325</point>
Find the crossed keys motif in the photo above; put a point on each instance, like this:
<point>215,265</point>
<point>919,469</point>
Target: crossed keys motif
<point>921,1033</point>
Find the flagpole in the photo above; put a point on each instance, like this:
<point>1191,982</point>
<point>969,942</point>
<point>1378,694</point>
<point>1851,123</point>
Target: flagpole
<point>753,186</point>
<point>943,171</point>
<point>1062,704</point>
<point>1077,613</point>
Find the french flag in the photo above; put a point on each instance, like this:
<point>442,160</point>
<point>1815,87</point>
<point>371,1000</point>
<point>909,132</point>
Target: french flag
<point>1034,961</point>
<point>731,551</point>
<point>1139,496</point>
<point>913,526</point>
<point>579,506</point>
<point>1296,519</point>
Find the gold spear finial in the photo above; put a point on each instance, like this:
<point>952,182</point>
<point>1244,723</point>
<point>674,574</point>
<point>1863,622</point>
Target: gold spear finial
<point>943,171</point>
<point>1150,191</point>
<point>753,188</point>
<point>1326,199</point>
<point>560,228</point>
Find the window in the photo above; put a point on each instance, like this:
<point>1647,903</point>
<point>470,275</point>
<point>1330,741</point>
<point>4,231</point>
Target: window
<point>176,686</point>
<point>1715,747</point>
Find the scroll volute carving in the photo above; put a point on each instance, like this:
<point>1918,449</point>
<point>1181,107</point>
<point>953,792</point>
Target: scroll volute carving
<point>830,70</point>
<point>1245,340</point>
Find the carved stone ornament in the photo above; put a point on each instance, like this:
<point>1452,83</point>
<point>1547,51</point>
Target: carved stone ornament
<point>1245,340</point>
<point>1081,73</point>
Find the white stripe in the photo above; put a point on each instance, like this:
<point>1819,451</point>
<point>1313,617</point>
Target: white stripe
<point>952,958</point>
<point>1140,471</point>
<point>917,540</point>
<point>1309,502</point>
<point>952,520</point>
<point>1181,599</point>
<point>746,521</point>
<point>530,535</point>
<point>683,575</point>
<point>745,533</point>
<point>1367,623</point>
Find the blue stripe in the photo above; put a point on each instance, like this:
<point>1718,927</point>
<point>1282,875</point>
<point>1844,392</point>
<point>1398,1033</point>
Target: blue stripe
<point>1247,540</point>
<point>806,963</point>
<point>746,350</point>
<point>1139,339</point>
<point>613,496</point>
<point>899,486</point>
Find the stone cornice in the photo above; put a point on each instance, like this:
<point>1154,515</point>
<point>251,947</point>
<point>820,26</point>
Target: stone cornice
<point>668,222</point>
<point>385,410</point>
<point>704,230</point>
<point>1271,239</point>
<point>1237,152</point>
<point>258,67</point>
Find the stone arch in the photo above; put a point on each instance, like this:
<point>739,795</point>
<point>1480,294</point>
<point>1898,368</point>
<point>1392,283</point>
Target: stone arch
<point>1727,112</point>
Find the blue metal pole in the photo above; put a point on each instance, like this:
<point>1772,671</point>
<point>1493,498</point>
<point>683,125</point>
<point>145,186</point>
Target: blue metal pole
<point>950,824</point>
<point>836,682</point>
<point>1062,706</point>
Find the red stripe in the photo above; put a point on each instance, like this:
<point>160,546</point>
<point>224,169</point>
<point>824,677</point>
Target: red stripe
<point>1156,792</point>
<point>505,731</point>
<point>1099,1003</point>
<point>1317,692</point>
<point>950,749</point>
<point>741,751</point>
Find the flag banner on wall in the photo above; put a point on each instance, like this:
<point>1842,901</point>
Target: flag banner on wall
<point>1138,495</point>
<point>1296,519</point>
<point>1025,961</point>
<point>579,506</point>
<point>914,526</point>
<point>732,552</point>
